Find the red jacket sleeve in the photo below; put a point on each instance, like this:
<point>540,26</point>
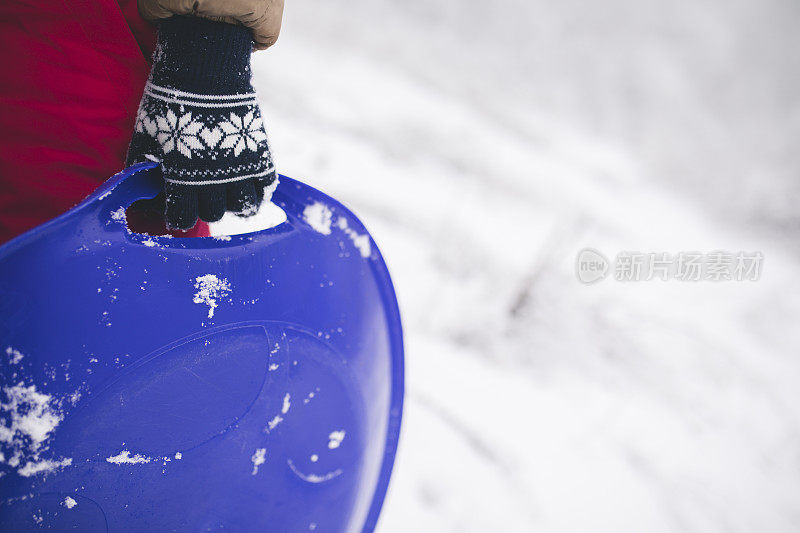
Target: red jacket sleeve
<point>74,74</point>
<point>143,31</point>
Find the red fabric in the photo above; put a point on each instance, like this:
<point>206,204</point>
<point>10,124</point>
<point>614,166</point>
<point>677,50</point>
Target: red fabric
<point>73,75</point>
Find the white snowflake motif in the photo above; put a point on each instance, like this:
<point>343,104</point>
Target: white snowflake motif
<point>144,122</point>
<point>141,117</point>
<point>241,133</point>
<point>178,133</point>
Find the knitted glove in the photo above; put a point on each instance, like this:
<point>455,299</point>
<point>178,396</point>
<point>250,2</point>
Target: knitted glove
<point>199,116</point>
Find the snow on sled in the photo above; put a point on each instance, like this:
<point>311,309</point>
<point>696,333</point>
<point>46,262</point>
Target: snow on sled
<point>246,383</point>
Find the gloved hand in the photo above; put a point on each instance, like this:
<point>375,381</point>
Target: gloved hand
<point>263,17</point>
<point>199,116</point>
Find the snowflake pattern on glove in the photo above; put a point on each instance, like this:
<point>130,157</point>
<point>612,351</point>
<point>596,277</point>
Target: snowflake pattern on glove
<point>242,133</point>
<point>204,138</point>
<point>194,135</point>
<point>178,132</point>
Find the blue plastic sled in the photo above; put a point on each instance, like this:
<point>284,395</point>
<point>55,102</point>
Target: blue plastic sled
<point>168,384</point>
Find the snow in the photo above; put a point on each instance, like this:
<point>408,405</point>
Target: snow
<point>118,215</point>
<point>272,424</point>
<point>210,289</point>
<point>268,216</point>
<point>286,404</point>
<point>485,145</point>
<point>258,459</point>
<point>314,478</point>
<point>361,242</point>
<point>14,356</point>
<point>318,216</point>
<point>335,439</point>
<point>28,419</point>
<point>125,457</point>
<point>44,466</point>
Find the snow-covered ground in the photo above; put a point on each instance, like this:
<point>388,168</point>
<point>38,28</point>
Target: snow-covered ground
<point>484,144</point>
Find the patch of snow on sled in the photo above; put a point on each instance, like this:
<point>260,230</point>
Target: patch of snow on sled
<point>318,216</point>
<point>125,457</point>
<point>258,459</point>
<point>360,241</point>
<point>335,439</point>
<point>210,289</point>
<point>14,356</point>
<point>314,478</point>
<point>268,216</point>
<point>28,419</point>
